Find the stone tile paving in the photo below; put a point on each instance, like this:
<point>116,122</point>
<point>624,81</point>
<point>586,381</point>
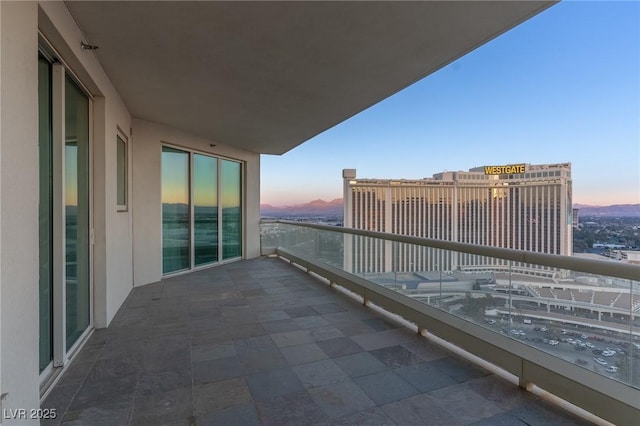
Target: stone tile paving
<point>260,342</point>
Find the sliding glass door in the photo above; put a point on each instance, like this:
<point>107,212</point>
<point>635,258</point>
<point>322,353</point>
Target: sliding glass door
<point>197,190</point>
<point>76,186</point>
<point>45,213</point>
<point>175,210</point>
<point>231,210</point>
<point>64,214</point>
<point>205,209</point>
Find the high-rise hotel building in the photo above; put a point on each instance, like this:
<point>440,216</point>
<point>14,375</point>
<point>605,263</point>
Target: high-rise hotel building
<point>520,206</point>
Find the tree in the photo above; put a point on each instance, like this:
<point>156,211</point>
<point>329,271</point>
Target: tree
<point>475,307</point>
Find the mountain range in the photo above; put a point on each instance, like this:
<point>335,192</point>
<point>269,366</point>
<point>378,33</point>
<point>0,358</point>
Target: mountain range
<point>315,207</point>
<point>616,210</point>
<point>335,207</point>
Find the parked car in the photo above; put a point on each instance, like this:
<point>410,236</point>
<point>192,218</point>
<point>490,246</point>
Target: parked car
<point>600,361</point>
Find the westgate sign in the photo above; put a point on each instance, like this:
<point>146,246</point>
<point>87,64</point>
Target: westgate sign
<point>504,170</point>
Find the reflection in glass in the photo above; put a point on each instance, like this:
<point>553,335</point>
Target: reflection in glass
<point>175,210</point>
<point>45,213</point>
<point>76,182</point>
<point>122,172</point>
<point>205,209</point>
<point>231,210</point>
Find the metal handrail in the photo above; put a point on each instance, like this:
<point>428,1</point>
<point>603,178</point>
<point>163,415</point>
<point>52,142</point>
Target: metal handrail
<point>603,396</point>
<point>598,267</point>
<point>607,398</point>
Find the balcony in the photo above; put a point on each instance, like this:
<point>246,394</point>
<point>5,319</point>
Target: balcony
<point>262,342</point>
<point>228,80</point>
<point>562,324</point>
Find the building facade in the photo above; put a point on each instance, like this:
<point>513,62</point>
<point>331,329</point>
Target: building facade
<point>524,207</point>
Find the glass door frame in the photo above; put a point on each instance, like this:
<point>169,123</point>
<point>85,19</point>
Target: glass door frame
<point>192,210</point>
<point>243,212</point>
<point>219,158</point>
<point>61,355</point>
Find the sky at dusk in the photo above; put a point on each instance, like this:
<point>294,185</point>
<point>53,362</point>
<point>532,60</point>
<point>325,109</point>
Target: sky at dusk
<point>176,185</point>
<point>561,87</point>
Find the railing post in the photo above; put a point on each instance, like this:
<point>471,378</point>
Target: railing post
<point>523,381</point>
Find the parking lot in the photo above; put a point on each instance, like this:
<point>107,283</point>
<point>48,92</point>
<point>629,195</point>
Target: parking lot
<point>604,354</point>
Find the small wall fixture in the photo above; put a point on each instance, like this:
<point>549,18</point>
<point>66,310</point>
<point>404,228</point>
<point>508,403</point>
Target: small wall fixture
<point>85,46</point>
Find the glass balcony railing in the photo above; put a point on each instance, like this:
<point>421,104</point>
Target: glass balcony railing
<point>568,325</point>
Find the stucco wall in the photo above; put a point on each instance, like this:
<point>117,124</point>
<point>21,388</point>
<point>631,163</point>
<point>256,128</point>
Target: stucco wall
<point>19,208</point>
<point>147,215</point>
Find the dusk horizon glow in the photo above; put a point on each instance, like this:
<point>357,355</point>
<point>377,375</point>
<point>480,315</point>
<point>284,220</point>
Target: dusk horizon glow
<point>561,87</point>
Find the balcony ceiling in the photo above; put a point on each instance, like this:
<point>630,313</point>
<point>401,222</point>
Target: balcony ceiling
<point>267,76</point>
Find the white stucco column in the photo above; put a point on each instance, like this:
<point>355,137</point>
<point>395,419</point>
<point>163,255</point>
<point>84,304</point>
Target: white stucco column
<point>19,329</point>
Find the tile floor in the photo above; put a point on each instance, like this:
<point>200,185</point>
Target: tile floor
<point>260,342</point>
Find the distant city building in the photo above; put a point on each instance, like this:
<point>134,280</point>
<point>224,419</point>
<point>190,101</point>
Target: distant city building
<point>523,206</point>
<point>609,246</point>
<point>576,218</point>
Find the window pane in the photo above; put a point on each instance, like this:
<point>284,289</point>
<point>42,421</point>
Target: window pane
<point>205,209</point>
<point>175,210</point>
<point>231,210</point>
<point>76,182</point>
<point>45,213</point>
<point>122,172</point>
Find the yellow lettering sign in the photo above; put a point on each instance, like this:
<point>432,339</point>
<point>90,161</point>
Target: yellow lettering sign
<point>504,170</point>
